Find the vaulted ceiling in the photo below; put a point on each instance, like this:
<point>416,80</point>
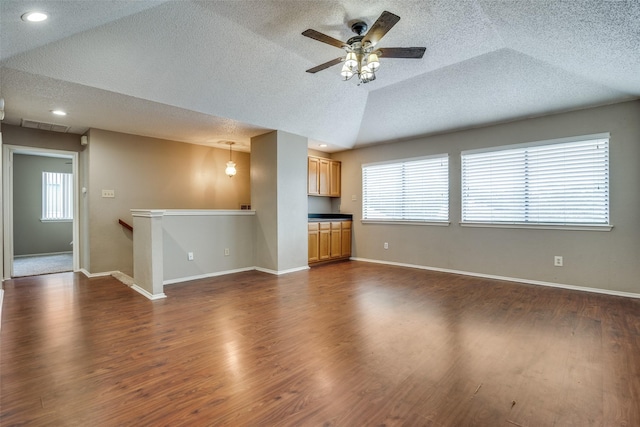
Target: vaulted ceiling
<point>206,72</point>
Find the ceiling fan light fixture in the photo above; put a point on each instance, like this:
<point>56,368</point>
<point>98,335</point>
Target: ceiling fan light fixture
<point>362,55</point>
<point>346,72</point>
<point>373,62</point>
<point>366,75</point>
<point>351,61</point>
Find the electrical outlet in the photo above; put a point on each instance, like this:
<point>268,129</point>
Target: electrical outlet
<point>190,256</point>
<point>558,261</point>
<point>226,251</point>
<point>386,245</point>
<point>109,193</point>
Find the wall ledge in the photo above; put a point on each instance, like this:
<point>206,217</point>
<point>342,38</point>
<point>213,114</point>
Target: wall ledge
<point>151,213</point>
<point>147,213</point>
<point>508,279</point>
<point>207,212</point>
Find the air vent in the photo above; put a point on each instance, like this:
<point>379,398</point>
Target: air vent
<point>32,124</point>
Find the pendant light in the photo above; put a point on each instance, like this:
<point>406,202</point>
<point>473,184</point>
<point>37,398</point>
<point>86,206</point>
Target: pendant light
<point>231,166</point>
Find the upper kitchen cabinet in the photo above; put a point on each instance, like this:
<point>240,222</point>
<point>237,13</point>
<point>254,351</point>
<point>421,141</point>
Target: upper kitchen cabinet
<point>323,177</point>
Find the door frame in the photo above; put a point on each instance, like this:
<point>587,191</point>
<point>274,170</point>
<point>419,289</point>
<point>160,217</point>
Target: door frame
<point>7,191</point>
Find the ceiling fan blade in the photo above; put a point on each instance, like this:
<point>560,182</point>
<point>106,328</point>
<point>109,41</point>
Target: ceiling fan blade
<point>402,52</point>
<point>316,35</point>
<point>325,65</point>
<point>385,22</point>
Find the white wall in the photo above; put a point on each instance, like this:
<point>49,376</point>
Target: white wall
<point>594,259</point>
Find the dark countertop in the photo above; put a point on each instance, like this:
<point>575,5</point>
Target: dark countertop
<point>330,217</point>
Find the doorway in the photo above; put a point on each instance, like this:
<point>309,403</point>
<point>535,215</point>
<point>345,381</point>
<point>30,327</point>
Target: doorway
<point>40,211</point>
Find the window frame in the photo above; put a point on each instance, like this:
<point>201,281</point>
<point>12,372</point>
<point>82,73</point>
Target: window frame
<point>424,221</point>
<point>584,226</point>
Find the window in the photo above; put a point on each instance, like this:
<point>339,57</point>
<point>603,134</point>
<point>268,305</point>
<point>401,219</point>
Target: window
<point>57,196</point>
<point>412,190</point>
<point>561,182</point>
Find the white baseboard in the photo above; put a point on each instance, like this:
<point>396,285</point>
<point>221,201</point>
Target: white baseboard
<point>238,270</point>
<point>508,279</point>
<point>125,279</point>
<point>280,272</point>
<point>102,274</point>
<point>205,276</point>
<point>147,294</point>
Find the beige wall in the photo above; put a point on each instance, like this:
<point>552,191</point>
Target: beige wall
<point>15,135</point>
<point>292,202</point>
<point>605,260</point>
<point>264,198</point>
<point>149,173</point>
<point>279,196</point>
<point>206,234</point>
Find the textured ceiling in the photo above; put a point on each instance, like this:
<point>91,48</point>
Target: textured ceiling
<point>206,72</point>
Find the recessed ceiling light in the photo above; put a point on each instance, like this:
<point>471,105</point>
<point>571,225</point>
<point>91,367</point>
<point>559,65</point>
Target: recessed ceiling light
<point>34,16</point>
<point>323,145</point>
<point>59,112</point>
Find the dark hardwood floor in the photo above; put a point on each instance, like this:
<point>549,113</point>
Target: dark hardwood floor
<point>345,344</point>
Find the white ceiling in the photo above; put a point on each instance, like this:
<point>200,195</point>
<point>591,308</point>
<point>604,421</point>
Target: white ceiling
<point>206,72</point>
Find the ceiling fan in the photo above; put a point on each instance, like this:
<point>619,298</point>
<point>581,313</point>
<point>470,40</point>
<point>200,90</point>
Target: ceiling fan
<point>362,56</point>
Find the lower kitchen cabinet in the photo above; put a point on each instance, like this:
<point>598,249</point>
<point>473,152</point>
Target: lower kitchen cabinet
<point>329,241</point>
<point>346,239</point>
<point>336,240</point>
<point>324,242</point>
<point>314,242</point>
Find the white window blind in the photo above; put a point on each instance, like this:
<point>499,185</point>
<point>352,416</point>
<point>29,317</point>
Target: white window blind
<point>559,183</point>
<point>407,190</point>
<point>57,196</point>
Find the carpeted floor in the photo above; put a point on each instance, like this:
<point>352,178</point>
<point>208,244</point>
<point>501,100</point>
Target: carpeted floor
<point>42,264</point>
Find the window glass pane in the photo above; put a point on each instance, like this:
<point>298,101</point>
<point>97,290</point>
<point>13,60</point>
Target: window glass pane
<point>558,183</point>
<point>409,190</point>
<point>57,196</point>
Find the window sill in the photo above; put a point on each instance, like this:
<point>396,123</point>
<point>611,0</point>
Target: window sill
<point>572,227</point>
<point>56,220</point>
<point>390,222</point>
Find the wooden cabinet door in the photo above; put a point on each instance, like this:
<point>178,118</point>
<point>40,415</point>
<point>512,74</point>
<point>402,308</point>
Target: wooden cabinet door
<point>325,241</point>
<point>324,177</point>
<point>336,239</point>
<point>314,243</point>
<point>334,178</point>
<point>313,169</point>
<point>346,239</point>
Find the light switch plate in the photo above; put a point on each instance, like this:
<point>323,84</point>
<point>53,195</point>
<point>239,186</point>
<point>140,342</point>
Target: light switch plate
<point>109,193</point>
